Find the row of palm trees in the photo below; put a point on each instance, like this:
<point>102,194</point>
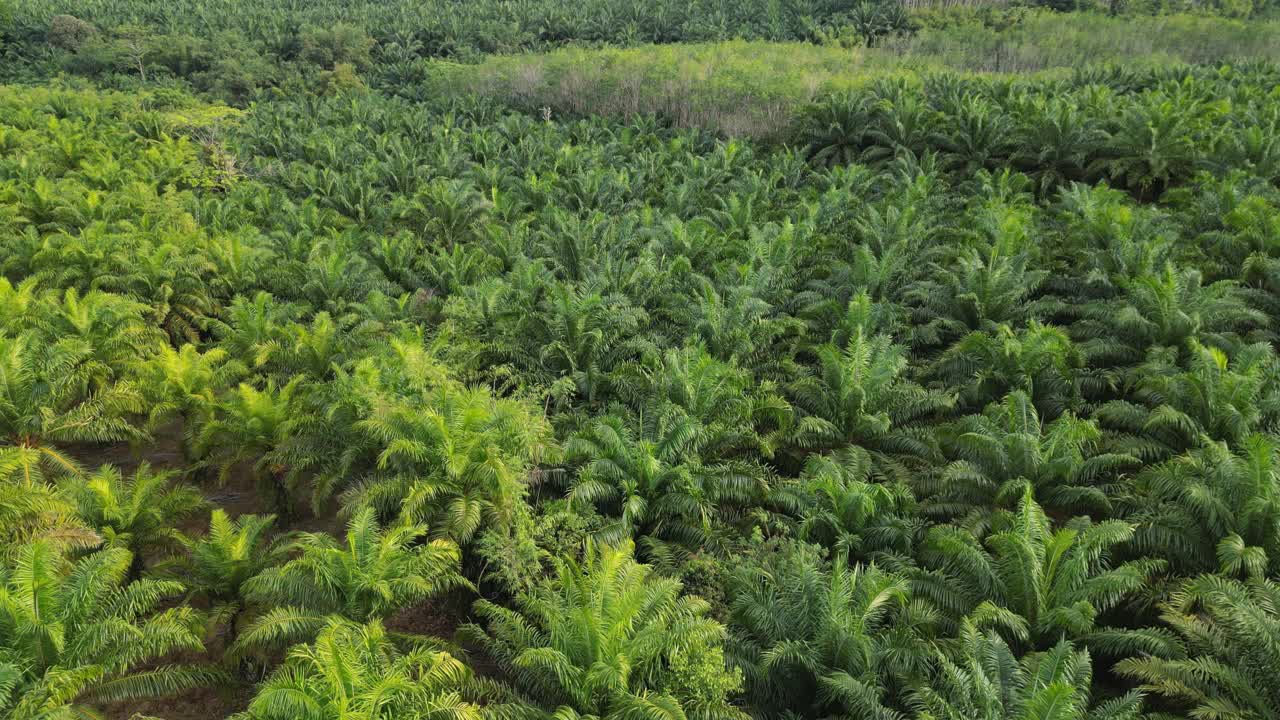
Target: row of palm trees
<point>711,431</point>
<point>1145,131</point>
<point>233,51</point>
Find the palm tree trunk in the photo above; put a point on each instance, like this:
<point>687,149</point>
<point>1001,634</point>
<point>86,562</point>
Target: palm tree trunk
<point>278,490</point>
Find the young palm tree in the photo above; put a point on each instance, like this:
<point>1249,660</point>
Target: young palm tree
<point>1152,147</point>
<point>34,509</point>
<point>580,335</point>
<point>253,425</point>
<point>356,671</point>
<point>184,383</point>
<point>1057,139</point>
<point>450,456</point>
<point>220,564</point>
<point>173,281</point>
<point>254,330</point>
<point>1213,508</point>
<point>451,212</point>
<point>1039,360</point>
<point>115,329</point>
<point>1008,450</point>
<point>655,486</point>
<point>979,288</point>
<point>139,513</point>
<point>605,638</point>
<point>824,642</point>
<point>1171,309</point>
<point>978,135</point>
<point>858,395</point>
<point>729,412</point>
<point>1230,633</point>
<point>1035,584</point>
<point>72,633</point>
<point>374,573</point>
<point>1219,397</point>
<point>45,399</point>
<point>985,680</point>
<point>834,130</point>
<point>845,507</point>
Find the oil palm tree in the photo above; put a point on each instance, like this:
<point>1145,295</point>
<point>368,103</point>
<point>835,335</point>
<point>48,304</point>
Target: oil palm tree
<point>835,129</point>
<point>74,633</point>
<point>655,485</point>
<point>1007,450</point>
<point>1230,633</point>
<point>219,564</point>
<point>139,513</point>
<point>1213,508</point>
<point>1038,585</point>
<point>977,135</point>
<point>984,679</point>
<point>450,210</point>
<point>374,573</point>
<point>844,506</point>
<point>451,456</point>
<point>1057,139</point>
<point>1170,309</point>
<point>730,414</point>
<point>45,399</point>
<point>32,508</point>
<point>859,395</point>
<point>185,383</point>
<point>1039,360</point>
<point>356,670</point>
<point>1214,395</point>
<point>253,425</point>
<point>606,638</point>
<point>1151,147</point>
<point>114,330</point>
<point>820,641</point>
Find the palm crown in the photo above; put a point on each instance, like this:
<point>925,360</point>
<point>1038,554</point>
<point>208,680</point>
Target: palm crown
<point>376,572</point>
<point>607,639</point>
<point>71,632</point>
<point>352,670</point>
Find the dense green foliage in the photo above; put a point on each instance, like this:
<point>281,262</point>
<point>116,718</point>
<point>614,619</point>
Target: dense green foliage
<point>525,389</point>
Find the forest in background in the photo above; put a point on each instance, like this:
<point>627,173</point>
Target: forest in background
<point>779,359</point>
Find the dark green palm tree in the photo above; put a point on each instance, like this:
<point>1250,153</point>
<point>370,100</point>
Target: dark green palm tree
<point>1037,584</point>
<point>859,395</point>
<point>1008,450</point>
<point>844,506</point>
<point>1213,508</point>
<point>655,485</point>
<point>835,129</point>
<point>605,638</point>
<point>1214,395</point>
<point>823,641</point>
<point>1230,632</point>
<point>983,679</point>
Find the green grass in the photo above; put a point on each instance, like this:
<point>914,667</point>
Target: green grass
<point>1042,40</point>
<point>755,88</point>
<point>740,88</point>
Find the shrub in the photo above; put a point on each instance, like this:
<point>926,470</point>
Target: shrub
<point>68,32</point>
